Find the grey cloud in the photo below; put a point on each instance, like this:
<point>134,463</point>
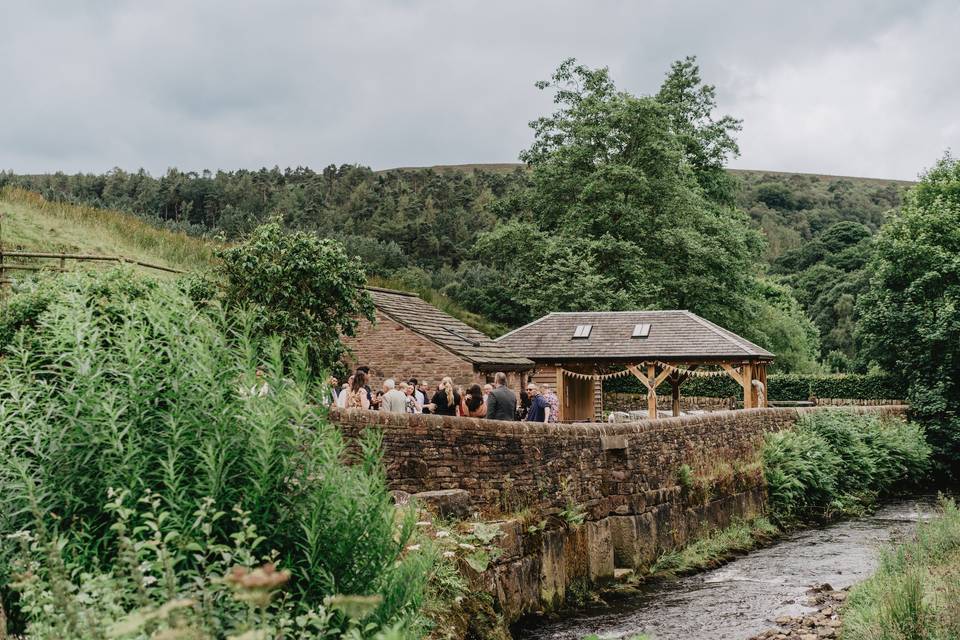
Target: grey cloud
<point>857,87</point>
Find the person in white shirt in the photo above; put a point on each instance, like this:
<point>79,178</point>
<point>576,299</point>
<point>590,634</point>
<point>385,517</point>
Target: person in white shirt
<point>412,405</point>
<point>342,398</point>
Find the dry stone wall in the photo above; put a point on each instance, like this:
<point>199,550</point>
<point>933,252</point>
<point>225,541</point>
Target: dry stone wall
<point>623,401</point>
<point>605,468</point>
<point>623,475</point>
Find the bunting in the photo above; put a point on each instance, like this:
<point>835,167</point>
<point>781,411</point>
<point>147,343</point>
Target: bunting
<point>693,373</point>
<point>594,376</point>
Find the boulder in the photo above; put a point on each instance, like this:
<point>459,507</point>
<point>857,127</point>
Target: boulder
<point>447,503</point>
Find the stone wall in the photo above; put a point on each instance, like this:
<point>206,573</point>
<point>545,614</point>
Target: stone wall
<point>622,478</point>
<point>606,468</point>
<point>619,401</point>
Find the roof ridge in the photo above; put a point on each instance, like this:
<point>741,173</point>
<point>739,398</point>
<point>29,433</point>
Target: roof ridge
<point>408,294</point>
<point>573,313</point>
<point>717,330</point>
<point>529,324</point>
<point>747,344</point>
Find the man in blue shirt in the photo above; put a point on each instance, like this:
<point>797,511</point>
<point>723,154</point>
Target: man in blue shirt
<point>539,407</point>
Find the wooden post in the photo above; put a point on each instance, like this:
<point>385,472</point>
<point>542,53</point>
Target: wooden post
<point>762,376</point>
<point>675,387</point>
<point>747,374</point>
<point>652,393</point>
<point>561,395</point>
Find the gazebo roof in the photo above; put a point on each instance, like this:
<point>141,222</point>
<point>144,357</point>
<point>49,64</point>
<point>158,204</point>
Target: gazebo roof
<point>671,336</point>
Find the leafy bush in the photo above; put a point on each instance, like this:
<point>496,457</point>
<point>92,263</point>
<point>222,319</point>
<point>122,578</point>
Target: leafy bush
<point>303,289</point>
<point>162,581</point>
<point>120,383</point>
<point>838,461</point>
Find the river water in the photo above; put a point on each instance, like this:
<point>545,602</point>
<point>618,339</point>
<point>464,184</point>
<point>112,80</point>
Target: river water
<point>743,598</point>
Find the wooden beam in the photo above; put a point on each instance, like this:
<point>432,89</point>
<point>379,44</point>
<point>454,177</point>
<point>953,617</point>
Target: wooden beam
<point>675,389</point>
<point>732,373</point>
<point>747,381</point>
<point>763,380</point>
<point>652,392</point>
<point>639,376</point>
<point>660,378</point>
<point>561,394</point>
<point>683,377</point>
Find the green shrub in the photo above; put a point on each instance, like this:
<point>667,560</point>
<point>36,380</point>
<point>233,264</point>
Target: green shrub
<point>839,461</point>
<point>304,289</point>
<point>120,383</point>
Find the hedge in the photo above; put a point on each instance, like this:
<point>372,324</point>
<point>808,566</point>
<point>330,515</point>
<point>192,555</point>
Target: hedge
<point>785,386</point>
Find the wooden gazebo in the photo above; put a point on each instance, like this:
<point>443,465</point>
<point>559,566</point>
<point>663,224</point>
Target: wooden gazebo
<point>576,352</point>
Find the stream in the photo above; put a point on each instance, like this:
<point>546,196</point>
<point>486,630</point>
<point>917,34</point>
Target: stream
<point>743,598</point>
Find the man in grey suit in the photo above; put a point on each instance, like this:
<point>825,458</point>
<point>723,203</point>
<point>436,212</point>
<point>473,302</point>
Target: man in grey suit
<point>501,403</point>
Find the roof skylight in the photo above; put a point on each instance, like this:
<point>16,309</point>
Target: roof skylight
<point>582,331</point>
<point>641,330</point>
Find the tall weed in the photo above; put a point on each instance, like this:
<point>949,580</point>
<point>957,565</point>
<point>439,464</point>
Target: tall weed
<point>915,592</point>
<point>118,382</point>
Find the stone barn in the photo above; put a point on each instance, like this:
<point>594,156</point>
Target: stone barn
<point>413,339</point>
<point>575,352</point>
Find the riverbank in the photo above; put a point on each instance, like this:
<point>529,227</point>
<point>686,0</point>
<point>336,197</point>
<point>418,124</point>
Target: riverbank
<point>915,592</point>
<point>746,596</point>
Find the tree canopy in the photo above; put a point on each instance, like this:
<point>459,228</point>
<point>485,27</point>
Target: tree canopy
<point>629,207</point>
<point>910,316</point>
<point>307,290</point>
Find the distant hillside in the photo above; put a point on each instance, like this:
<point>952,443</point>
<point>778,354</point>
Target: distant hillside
<point>416,228</point>
<point>509,167</point>
<point>28,222</point>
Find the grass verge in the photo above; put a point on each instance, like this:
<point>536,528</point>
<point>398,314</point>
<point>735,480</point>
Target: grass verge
<point>915,593</point>
<point>716,548</point>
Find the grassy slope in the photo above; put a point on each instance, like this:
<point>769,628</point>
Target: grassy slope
<point>30,223</point>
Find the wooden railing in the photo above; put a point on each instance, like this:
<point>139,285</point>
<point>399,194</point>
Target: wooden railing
<point>62,259</point>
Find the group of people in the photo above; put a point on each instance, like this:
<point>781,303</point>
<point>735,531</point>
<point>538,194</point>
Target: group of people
<point>494,401</point>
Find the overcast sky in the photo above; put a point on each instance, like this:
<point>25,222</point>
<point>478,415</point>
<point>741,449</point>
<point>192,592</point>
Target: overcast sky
<point>867,88</point>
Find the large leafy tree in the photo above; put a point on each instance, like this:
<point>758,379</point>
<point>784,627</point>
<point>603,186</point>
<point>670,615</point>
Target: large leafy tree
<point>307,290</point>
<point>629,207</point>
<point>910,317</point>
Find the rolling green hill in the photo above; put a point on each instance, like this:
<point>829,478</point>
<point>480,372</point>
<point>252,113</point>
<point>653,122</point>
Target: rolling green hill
<point>28,222</point>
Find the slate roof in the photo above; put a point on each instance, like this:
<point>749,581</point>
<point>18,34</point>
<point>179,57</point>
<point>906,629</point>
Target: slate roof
<point>444,330</point>
<point>674,335</point>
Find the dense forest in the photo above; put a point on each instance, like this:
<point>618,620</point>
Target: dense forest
<point>506,242</point>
